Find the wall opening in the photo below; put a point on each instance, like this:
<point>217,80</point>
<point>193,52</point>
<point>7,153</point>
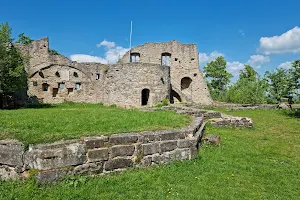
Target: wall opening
<point>41,75</point>
<point>165,59</point>
<point>185,83</point>
<point>78,86</point>
<point>134,57</point>
<point>54,92</point>
<point>97,76</point>
<point>34,83</point>
<point>70,90</point>
<point>75,74</point>
<point>174,97</point>
<point>145,96</point>
<point>57,74</point>
<point>61,85</point>
<point>45,87</point>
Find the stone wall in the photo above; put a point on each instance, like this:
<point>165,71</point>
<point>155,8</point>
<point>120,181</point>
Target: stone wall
<point>55,79</point>
<point>96,155</point>
<point>186,78</point>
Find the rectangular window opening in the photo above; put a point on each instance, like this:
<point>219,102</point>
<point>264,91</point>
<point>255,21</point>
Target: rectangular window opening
<point>61,85</point>
<point>54,92</point>
<point>97,76</point>
<point>78,85</point>
<point>70,90</point>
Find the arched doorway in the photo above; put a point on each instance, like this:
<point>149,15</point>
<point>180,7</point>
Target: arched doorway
<point>176,96</point>
<point>185,83</point>
<point>145,96</point>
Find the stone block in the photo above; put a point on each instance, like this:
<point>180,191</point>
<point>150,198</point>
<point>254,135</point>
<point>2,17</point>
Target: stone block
<point>122,150</point>
<point>7,172</point>
<point>187,143</point>
<point>146,161</point>
<point>179,154</point>
<point>150,148</point>
<point>49,176</point>
<point>168,146</point>
<point>89,168</point>
<point>100,154</point>
<point>172,135</point>
<point>118,163</point>
<point>124,138</point>
<point>55,155</point>
<point>149,136</point>
<point>95,142</point>
<point>11,152</point>
<point>212,139</point>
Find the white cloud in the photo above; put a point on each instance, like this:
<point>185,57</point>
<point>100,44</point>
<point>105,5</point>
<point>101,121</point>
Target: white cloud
<point>242,33</point>
<point>112,55</point>
<point>288,42</point>
<point>285,65</point>
<point>235,67</point>
<point>258,60</point>
<point>107,44</point>
<point>205,58</point>
<point>87,58</point>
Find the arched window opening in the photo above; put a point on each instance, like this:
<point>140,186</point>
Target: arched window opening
<point>185,83</point>
<point>145,96</point>
<point>166,59</point>
<point>134,57</point>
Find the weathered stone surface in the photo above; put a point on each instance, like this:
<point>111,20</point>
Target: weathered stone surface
<point>151,148</point>
<point>187,143</point>
<point>118,163</point>
<point>122,150</point>
<point>49,176</point>
<point>168,146</point>
<point>95,142</point>
<point>56,155</point>
<point>11,152</point>
<point>125,138</point>
<point>179,154</point>
<point>7,172</point>
<point>100,154</point>
<point>172,134</point>
<point>212,139</point>
<point>89,168</point>
<point>146,161</point>
<point>149,136</point>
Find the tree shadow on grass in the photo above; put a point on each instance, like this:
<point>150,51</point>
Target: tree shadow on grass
<point>293,113</point>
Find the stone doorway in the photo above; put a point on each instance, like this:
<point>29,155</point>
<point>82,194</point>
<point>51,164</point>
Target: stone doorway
<point>145,96</point>
<point>175,97</point>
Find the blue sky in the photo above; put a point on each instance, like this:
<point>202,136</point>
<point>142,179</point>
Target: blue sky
<point>264,33</point>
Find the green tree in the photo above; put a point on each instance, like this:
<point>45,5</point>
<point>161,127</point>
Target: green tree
<point>295,78</point>
<point>278,85</point>
<point>12,73</point>
<point>218,77</point>
<point>22,39</point>
<point>249,88</point>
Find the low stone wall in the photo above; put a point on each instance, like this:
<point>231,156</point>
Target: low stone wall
<point>227,120</point>
<point>96,155</point>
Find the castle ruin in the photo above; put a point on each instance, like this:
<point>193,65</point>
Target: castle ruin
<point>146,75</point>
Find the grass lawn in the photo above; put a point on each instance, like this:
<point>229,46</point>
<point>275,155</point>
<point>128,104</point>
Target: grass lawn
<point>258,163</point>
<point>71,120</point>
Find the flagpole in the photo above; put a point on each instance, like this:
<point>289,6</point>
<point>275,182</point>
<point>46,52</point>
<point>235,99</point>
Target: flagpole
<point>130,41</point>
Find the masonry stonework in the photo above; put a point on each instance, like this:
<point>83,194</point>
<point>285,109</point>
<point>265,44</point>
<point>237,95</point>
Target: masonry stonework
<point>99,154</point>
<point>160,71</point>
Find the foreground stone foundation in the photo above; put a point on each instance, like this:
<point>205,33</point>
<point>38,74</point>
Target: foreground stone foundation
<point>97,155</point>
